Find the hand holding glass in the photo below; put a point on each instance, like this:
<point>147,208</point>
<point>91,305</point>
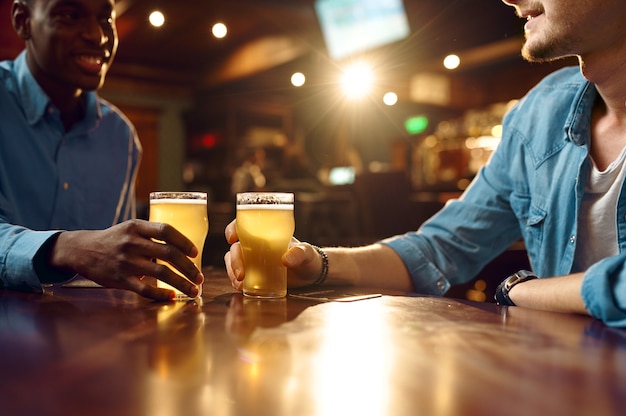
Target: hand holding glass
<point>187,212</point>
<point>265,225</point>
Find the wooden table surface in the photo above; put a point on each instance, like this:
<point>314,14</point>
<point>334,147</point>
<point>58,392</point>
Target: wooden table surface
<point>94,351</point>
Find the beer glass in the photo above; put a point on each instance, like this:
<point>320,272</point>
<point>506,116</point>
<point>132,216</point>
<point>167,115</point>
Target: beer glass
<point>187,212</point>
<point>265,224</point>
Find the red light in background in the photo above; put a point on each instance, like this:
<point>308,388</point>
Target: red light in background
<point>209,140</point>
<point>205,141</point>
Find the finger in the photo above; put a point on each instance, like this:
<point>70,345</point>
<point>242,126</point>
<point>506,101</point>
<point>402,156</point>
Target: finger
<point>165,274</point>
<point>178,260</point>
<point>236,261</point>
<point>230,232</point>
<point>296,256</point>
<point>303,263</point>
<point>171,236</point>
<point>148,291</point>
<point>235,281</point>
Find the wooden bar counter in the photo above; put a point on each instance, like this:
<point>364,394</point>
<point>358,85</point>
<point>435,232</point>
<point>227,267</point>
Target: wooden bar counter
<point>94,351</point>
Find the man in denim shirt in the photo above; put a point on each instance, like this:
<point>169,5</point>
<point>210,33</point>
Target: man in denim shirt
<point>68,162</point>
<point>556,180</point>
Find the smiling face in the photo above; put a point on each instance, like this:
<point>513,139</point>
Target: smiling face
<point>70,43</point>
<point>558,28</point>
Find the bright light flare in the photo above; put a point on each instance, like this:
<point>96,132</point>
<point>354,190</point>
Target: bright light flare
<point>156,18</point>
<point>298,79</point>
<point>390,98</point>
<point>357,80</point>
<point>451,62</point>
<point>219,30</point>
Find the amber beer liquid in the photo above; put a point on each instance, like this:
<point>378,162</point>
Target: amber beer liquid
<point>187,212</point>
<point>265,224</point>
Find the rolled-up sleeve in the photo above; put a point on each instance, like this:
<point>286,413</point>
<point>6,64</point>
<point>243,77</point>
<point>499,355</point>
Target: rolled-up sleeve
<point>426,277</point>
<point>604,290</point>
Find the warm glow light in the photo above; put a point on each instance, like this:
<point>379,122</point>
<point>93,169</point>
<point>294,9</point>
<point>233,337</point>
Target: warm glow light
<point>298,79</point>
<point>451,62</point>
<point>496,131</point>
<point>156,18</point>
<point>483,142</point>
<point>390,98</point>
<point>360,387</point>
<point>219,30</point>
<point>357,80</point>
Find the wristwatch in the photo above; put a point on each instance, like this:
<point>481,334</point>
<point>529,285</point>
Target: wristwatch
<point>502,292</point>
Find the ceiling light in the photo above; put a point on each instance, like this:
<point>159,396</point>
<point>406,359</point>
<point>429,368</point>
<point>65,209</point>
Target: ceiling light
<point>298,79</point>
<point>156,18</point>
<point>451,62</point>
<point>219,30</point>
<point>390,98</point>
<point>357,80</point>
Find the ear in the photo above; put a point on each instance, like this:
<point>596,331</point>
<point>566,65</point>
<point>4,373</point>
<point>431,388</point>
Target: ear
<point>20,17</point>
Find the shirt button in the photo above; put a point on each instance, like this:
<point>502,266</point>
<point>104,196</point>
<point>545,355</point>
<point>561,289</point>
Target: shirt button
<point>66,186</point>
<point>440,285</point>
<point>572,239</point>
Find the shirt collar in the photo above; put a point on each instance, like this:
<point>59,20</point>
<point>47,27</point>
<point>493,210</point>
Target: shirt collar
<point>36,102</point>
<point>578,124</point>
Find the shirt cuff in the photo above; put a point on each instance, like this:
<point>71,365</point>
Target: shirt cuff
<point>427,278</point>
<point>604,291</point>
<point>20,266</point>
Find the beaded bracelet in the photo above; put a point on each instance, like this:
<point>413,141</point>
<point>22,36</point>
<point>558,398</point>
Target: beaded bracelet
<point>324,273</point>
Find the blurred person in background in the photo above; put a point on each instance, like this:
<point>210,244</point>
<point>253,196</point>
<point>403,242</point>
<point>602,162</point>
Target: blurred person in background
<point>249,176</point>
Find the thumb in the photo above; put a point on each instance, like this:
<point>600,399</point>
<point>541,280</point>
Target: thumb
<point>295,256</point>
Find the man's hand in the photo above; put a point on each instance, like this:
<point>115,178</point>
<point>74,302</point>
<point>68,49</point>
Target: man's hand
<point>120,257</point>
<point>301,259</point>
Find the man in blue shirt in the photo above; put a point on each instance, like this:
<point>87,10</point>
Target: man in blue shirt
<point>69,160</point>
<point>556,180</point>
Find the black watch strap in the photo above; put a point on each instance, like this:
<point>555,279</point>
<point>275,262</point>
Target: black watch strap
<point>502,292</point>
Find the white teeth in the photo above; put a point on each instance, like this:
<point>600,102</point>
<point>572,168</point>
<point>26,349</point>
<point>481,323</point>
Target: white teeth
<point>91,59</point>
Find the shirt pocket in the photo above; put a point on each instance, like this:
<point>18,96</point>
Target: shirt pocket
<point>531,219</point>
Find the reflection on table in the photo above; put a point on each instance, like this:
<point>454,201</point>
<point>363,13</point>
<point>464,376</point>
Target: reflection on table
<point>101,352</point>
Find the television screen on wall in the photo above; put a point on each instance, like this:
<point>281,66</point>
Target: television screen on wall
<point>353,26</point>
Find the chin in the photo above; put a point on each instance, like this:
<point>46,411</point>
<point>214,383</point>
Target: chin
<point>539,53</point>
<point>91,84</point>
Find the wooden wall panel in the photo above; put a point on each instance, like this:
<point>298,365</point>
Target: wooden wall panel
<point>146,122</point>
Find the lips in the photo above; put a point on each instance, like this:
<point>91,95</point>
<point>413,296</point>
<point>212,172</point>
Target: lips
<point>91,63</point>
<point>530,17</point>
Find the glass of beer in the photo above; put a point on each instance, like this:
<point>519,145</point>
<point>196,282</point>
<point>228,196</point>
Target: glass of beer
<point>187,212</point>
<point>265,224</point>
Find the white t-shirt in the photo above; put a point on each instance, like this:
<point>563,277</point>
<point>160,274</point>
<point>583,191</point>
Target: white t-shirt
<point>597,225</point>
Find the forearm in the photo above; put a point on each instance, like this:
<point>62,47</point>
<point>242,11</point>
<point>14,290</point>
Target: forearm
<point>559,294</point>
<point>375,265</point>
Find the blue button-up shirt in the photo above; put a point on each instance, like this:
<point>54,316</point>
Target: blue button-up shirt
<point>532,188</point>
<point>52,179</point>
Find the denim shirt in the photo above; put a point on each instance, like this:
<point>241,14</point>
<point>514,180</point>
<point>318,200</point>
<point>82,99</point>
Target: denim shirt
<point>52,179</point>
<point>532,187</point>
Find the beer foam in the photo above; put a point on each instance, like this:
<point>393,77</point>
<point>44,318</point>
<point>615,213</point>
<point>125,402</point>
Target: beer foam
<point>274,207</point>
<point>178,201</point>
